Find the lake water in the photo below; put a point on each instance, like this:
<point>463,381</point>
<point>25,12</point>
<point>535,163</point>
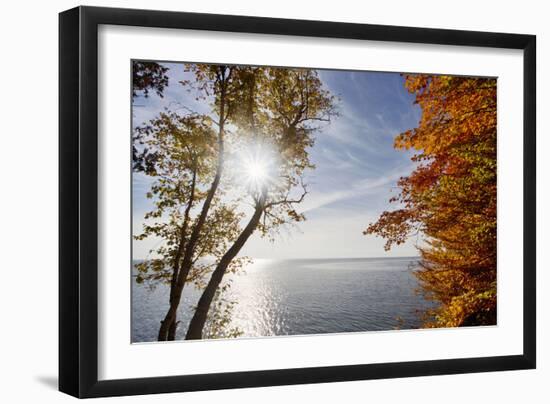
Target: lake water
<point>305,296</point>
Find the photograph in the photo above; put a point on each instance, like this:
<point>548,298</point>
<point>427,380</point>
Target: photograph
<point>272,201</point>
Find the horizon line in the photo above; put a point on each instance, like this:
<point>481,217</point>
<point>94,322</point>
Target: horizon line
<point>316,258</point>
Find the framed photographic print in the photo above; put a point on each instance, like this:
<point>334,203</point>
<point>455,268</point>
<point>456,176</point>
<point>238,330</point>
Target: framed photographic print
<point>250,201</point>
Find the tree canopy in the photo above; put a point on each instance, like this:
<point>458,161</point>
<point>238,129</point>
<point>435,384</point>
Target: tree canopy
<point>148,76</point>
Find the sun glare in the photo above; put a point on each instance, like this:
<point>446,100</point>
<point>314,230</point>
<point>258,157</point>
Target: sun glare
<point>256,171</point>
<point>257,167</point>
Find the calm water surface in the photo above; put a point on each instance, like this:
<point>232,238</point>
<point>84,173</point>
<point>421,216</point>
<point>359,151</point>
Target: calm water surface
<point>305,296</point>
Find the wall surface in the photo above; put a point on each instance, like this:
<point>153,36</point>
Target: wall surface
<point>28,206</point>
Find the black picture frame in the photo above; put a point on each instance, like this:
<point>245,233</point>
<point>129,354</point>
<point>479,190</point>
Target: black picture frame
<point>78,201</point>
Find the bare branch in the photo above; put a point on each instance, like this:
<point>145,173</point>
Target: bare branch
<point>286,201</point>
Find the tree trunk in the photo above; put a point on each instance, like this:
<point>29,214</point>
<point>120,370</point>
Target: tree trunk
<point>176,291</point>
<point>199,318</point>
<point>172,329</point>
<point>175,272</point>
<point>167,322</point>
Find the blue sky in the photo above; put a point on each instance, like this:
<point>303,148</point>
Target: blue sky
<point>356,167</point>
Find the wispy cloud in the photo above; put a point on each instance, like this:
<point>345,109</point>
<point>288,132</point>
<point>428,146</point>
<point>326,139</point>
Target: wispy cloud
<point>356,189</point>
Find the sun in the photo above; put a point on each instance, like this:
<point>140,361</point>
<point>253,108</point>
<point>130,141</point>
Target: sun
<point>257,166</point>
<point>256,171</point>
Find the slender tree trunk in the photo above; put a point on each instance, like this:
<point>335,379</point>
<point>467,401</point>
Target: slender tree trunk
<point>172,329</point>
<point>176,291</point>
<point>183,232</point>
<point>199,318</point>
<point>165,324</point>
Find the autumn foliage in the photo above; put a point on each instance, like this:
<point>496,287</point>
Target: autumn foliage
<point>450,199</point>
